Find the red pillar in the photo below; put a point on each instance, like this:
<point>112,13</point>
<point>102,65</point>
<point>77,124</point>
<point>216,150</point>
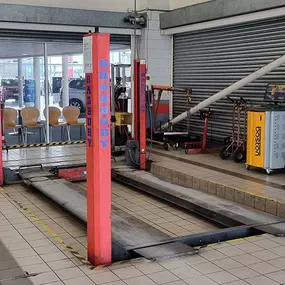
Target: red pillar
<point>98,147</point>
<point>140,109</point>
<point>142,114</point>
<point>136,98</point>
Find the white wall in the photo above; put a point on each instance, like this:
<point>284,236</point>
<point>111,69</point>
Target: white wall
<point>107,5</point>
<point>156,49</point>
<point>154,4</point>
<point>174,4</point>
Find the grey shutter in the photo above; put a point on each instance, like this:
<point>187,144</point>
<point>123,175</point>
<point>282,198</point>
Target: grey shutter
<point>51,36</point>
<point>210,60</point>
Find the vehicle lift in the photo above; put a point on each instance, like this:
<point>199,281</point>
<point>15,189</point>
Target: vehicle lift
<point>99,229</point>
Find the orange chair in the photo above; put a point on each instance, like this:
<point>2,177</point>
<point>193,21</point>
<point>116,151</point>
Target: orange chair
<point>54,114</point>
<point>30,116</point>
<point>71,115</point>
<point>10,117</point>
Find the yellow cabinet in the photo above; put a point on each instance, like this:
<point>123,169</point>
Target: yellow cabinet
<point>255,138</point>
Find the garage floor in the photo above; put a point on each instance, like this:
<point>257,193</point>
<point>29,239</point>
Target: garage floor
<point>36,236</point>
<point>206,166</point>
<point>36,231</point>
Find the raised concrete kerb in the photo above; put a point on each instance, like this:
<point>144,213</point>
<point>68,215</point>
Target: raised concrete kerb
<point>241,196</point>
<point>193,199</point>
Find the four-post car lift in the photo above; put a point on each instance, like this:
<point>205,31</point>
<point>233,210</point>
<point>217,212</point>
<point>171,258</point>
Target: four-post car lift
<point>112,233</point>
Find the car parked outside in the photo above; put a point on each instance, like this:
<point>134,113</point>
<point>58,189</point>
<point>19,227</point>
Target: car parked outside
<point>76,94</point>
<point>9,89</point>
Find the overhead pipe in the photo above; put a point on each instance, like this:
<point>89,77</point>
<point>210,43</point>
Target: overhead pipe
<point>226,92</point>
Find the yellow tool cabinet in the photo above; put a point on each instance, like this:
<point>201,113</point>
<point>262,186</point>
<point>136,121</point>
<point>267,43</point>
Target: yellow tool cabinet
<point>266,139</point>
<point>255,138</point>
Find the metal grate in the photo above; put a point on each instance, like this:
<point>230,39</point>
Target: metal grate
<point>209,61</point>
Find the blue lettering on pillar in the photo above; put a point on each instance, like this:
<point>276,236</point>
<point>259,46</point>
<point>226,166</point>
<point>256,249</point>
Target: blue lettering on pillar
<point>103,75</point>
<point>88,79</point>
<point>104,93</point>
<point>89,100</point>
<point>104,122</point>
<point>89,121</point>
<point>89,132</point>
<point>89,111</point>
<point>104,110</point>
<point>142,96</point>
<point>104,132</point>
<point>103,63</point>
<point>104,98</point>
<point>104,87</point>
<point>104,143</point>
<point>89,90</point>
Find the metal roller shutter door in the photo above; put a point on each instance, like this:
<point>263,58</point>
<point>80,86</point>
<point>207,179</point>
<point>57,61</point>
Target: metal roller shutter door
<point>51,36</point>
<point>210,60</point>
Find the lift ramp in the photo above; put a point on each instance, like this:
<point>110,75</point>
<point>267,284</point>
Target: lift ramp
<point>127,231</point>
<point>217,209</point>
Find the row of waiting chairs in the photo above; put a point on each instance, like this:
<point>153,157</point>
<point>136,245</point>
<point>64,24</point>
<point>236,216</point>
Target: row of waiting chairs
<point>30,117</point>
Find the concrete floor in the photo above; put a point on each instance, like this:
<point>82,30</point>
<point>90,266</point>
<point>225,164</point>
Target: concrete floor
<point>36,237</point>
<point>36,231</point>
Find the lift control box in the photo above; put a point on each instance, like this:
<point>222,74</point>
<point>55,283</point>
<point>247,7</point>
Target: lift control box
<point>266,139</point>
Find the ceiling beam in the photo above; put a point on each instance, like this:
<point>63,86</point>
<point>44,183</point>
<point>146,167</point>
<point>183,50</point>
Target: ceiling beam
<point>62,16</point>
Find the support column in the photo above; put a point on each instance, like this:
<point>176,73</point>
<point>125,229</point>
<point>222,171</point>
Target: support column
<point>140,109</point>
<point>65,81</point>
<point>20,83</point>
<point>37,78</point>
<point>98,147</point>
<point>133,83</point>
<point>46,91</point>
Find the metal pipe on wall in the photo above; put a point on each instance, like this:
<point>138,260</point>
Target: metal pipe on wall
<point>227,91</point>
<point>46,91</point>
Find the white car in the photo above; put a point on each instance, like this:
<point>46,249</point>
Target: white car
<point>76,94</point>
